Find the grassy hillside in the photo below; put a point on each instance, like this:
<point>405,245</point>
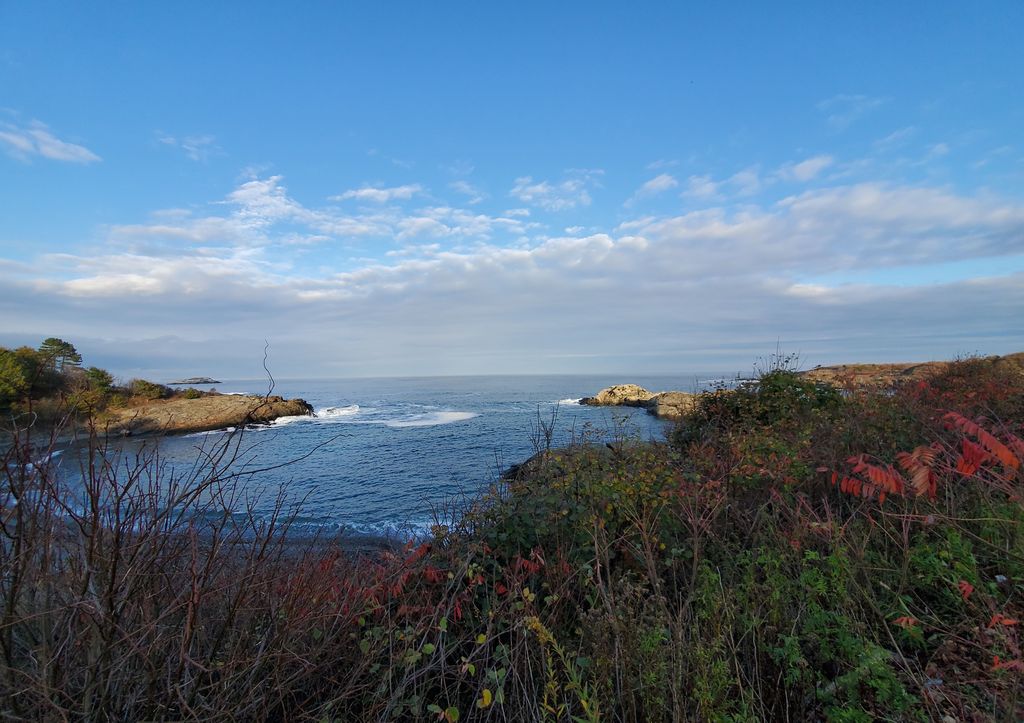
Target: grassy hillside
<point>795,551</point>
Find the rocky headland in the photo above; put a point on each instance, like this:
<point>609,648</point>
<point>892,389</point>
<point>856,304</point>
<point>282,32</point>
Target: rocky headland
<point>880,376</point>
<point>216,411</point>
<point>674,405</point>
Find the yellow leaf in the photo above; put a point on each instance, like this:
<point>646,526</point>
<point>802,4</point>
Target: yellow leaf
<point>485,699</point>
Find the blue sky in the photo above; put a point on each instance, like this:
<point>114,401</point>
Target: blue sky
<point>452,188</point>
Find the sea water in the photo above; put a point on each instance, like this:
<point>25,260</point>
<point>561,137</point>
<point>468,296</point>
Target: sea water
<point>383,455</point>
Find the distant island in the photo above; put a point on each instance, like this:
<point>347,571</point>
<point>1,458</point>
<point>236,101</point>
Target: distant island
<point>196,380</point>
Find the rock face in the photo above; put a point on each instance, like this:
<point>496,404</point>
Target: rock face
<point>196,380</point>
<point>671,405</point>
<point>179,416</point>
<point>664,405</point>
<point>620,395</point>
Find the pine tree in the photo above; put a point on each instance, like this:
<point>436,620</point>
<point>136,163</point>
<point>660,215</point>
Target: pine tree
<point>60,354</point>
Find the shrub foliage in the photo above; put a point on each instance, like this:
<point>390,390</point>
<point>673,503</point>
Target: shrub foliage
<point>794,552</point>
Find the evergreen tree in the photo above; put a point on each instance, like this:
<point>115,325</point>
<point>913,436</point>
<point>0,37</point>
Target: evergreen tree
<point>60,354</point>
<point>99,379</point>
<point>13,383</point>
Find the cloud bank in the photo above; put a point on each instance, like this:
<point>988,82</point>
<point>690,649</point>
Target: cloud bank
<point>464,291</point>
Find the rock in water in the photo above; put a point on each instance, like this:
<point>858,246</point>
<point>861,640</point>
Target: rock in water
<point>664,405</point>
<point>179,416</point>
<point>620,395</point>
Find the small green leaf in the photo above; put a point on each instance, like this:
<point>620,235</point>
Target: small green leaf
<point>429,648</point>
<point>452,714</point>
<point>443,625</point>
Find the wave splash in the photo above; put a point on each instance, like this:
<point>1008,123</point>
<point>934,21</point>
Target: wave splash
<point>400,418</point>
<point>430,419</point>
<point>335,412</point>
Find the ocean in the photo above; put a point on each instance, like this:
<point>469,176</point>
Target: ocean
<point>382,454</point>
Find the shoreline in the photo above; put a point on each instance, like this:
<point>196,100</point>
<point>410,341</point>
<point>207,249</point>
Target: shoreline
<point>203,414</point>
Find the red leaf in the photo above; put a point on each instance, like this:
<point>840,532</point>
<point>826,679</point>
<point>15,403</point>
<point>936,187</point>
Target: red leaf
<point>906,622</point>
<point>1000,619</point>
<point>966,589</point>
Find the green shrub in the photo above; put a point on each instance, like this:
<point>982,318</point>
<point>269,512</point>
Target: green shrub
<point>148,390</point>
<point>780,396</point>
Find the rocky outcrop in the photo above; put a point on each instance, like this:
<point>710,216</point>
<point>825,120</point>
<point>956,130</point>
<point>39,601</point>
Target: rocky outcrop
<point>620,395</point>
<point>180,416</point>
<point>196,380</point>
<point>671,405</point>
<point>664,405</point>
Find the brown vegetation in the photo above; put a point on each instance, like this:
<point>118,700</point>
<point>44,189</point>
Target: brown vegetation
<point>748,569</point>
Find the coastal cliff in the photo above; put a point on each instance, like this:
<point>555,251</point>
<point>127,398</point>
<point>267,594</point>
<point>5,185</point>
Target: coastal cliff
<point>219,411</point>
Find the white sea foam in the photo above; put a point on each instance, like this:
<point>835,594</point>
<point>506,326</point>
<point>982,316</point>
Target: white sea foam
<point>414,529</point>
<point>569,402</point>
<point>335,412</point>
<point>430,419</point>
<point>282,421</point>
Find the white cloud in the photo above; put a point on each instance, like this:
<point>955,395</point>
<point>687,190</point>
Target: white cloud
<point>196,148</point>
<point>473,194</point>
<point>702,187</point>
<point>460,168</point>
<point>561,196</point>
<point>896,139</point>
<point>757,274</point>
<point>378,194</point>
<point>25,142</point>
<point>805,170</point>
<point>746,182</point>
<point>263,214</point>
<point>845,109</point>
<point>658,184</point>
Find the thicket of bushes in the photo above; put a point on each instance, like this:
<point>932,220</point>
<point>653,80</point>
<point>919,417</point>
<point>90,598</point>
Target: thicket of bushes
<point>794,552</point>
<point>48,385</point>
